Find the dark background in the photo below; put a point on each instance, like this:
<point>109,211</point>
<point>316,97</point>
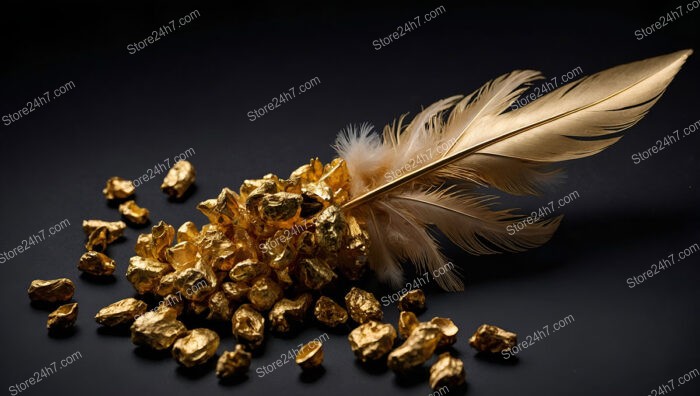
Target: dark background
<point>193,88</point>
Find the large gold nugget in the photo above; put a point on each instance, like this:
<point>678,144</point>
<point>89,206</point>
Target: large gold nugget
<point>315,273</point>
<point>187,232</point>
<point>407,323</point>
<point>121,312</point>
<point>448,329</point>
<point>114,229</point>
<point>233,363</point>
<point>363,306</point>
<point>447,371</point>
<point>118,188</point>
<point>179,178</point>
<point>182,256</point>
<point>157,329</point>
<point>264,294</point>
<point>247,270</point>
<point>286,313</point>
<point>63,317</point>
<point>196,347</point>
<point>492,339</point>
<point>310,355</point>
<point>330,229</point>
<point>134,213</point>
<point>330,313</point>
<point>54,290</point>
<point>195,283</point>
<point>248,326</point>
<point>144,274</point>
<point>144,246</point>
<point>413,301</point>
<point>96,263</point>
<point>166,285</point>
<point>372,340</point>
<point>416,350</point>
<point>236,291</point>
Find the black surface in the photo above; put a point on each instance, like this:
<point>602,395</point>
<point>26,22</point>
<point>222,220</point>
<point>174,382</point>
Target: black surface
<point>194,87</point>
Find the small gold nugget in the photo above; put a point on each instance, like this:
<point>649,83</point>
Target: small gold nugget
<point>134,213</point>
<point>118,188</point>
<point>448,329</point>
<point>54,290</point>
<point>96,263</point>
<point>264,294</point>
<point>310,355</point>
<point>248,326</point>
<point>330,313</point>
<point>157,329</point>
<point>363,306</point>
<point>372,340</point>
<point>121,312</point>
<point>145,274</point>
<point>196,347</point>
<point>63,317</point>
<point>114,229</point>
<point>219,307</point>
<point>286,313</point>
<point>315,273</point>
<point>187,232</point>
<point>492,339</point>
<point>413,301</point>
<point>233,363</point>
<point>407,323</point>
<point>97,240</point>
<point>447,371</point>
<point>416,350</point>
<point>179,178</point>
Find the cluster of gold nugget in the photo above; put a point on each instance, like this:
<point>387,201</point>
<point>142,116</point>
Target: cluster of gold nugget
<point>261,263</point>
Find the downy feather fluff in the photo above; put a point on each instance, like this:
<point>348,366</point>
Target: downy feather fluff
<point>425,174</point>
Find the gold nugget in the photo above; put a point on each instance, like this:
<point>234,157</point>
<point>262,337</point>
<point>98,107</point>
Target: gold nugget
<point>315,273</point>
<point>492,339</point>
<point>372,340</point>
<point>280,207</point>
<point>134,213</point>
<point>97,240</point>
<point>118,188</point>
<point>195,283</point>
<point>310,355</point>
<point>407,323</point>
<point>247,270</point>
<point>219,307</point>
<point>179,179</point>
<point>63,317</point>
<point>162,235</point>
<point>286,313</point>
<point>448,329</point>
<point>416,350</point>
<point>96,263</point>
<point>447,371</point>
<point>413,301</point>
<point>121,312</point>
<point>187,232</point>
<point>233,363</point>
<point>113,229</point>
<point>330,313</point>
<point>54,290</point>
<point>248,326</point>
<point>235,291</point>
<point>264,294</point>
<point>157,329</point>
<point>363,306</point>
<point>196,347</point>
<point>182,256</point>
<point>145,274</point>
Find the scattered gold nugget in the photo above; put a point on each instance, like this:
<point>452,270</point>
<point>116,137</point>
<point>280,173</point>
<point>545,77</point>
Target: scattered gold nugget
<point>63,317</point>
<point>157,329</point>
<point>134,213</point>
<point>145,273</point>
<point>286,313</point>
<point>363,306</point>
<point>187,232</point>
<point>54,290</point>
<point>372,340</point>
<point>413,301</point>
<point>447,371</point>
<point>195,347</point>
<point>113,229</point>
<point>233,363</point>
<point>219,307</point>
<point>330,313</point>
<point>448,329</point>
<point>96,263</point>
<point>264,294</point>
<point>407,323</point>
<point>310,355</point>
<point>179,179</point>
<point>118,188</point>
<point>492,339</point>
<point>248,326</point>
<point>121,312</point>
<point>416,350</point>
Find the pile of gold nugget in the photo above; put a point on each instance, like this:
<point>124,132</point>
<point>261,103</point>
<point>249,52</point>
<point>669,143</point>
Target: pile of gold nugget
<point>262,264</point>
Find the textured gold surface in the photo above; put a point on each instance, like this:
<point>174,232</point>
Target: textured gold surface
<point>134,213</point>
<point>448,331</point>
<point>416,350</point>
<point>179,179</point>
<point>264,293</point>
<point>492,339</point>
<point>315,273</point>
<point>187,232</point>
<point>310,355</point>
<point>248,326</point>
<point>363,306</point>
<point>372,340</point>
<point>286,313</point>
<point>413,301</point>
<point>63,317</point>
<point>118,188</point>
<point>157,329</point>
<point>53,290</point>
<point>195,347</point>
<point>330,313</point>
<point>233,363</point>
<point>113,229</point>
<point>219,307</point>
<point>96,263</point>
<point>145,274</point>
<point>121,312</point>
<point>447,371</point>
<point>407,323</point>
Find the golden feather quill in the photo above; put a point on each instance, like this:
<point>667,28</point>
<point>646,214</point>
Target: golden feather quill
<point>398,191</point>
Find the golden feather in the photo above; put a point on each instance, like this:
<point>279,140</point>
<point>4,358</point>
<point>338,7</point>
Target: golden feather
<point>398,182</point>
